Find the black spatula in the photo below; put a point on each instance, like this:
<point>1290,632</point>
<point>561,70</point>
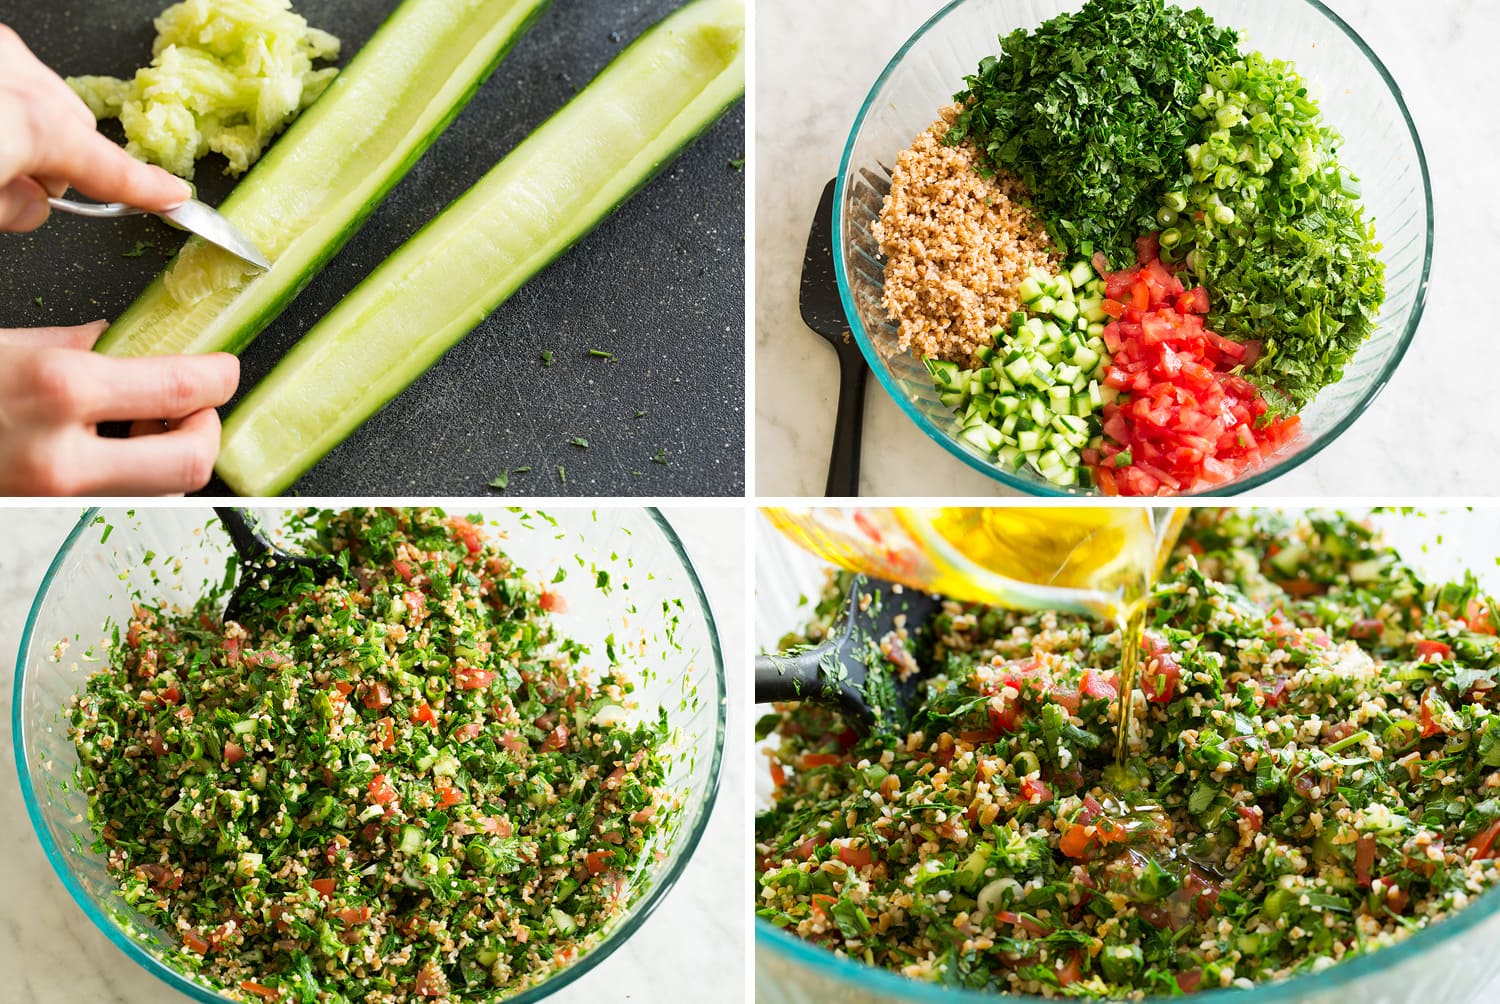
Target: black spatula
<point>847,669</point>
<point>824,313</point>
<point>264,567</point>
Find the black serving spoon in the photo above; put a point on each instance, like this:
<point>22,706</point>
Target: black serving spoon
<point>847,670</point>
<point>264,565</point>
<point>823,311</point>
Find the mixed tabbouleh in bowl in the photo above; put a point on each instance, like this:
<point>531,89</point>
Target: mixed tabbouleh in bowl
<point>1313,772</point>
<point>403,783</point>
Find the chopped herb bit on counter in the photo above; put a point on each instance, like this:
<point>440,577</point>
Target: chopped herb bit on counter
<point>502,481</point>
<point>640,413</point>
<point>138,250</point>
<point>546,357</point>
<point>738,163</point>
<point>407,787</point>
<point>1313,773</point>
<point>660,457</point>
<point>579,442</point>
<point>562,473</point>
<point>601,354</point>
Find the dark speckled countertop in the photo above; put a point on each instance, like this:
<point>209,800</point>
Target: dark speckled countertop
<point>661,285</point>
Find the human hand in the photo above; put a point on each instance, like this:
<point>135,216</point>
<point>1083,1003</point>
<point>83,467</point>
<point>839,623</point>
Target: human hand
<point>48,142</point>
<point>53,390</point>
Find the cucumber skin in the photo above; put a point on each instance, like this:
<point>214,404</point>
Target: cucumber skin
<point>115,333</point>
<point>245,483</point>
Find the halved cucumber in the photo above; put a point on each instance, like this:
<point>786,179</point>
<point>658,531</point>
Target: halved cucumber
<point>562,181</point>
<point>330,170</point>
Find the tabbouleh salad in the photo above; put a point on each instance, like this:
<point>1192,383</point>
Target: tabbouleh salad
<point>405,784</point>
<point>1313,772</point>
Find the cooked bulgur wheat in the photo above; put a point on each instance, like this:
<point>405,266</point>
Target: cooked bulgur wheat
<point>957,246</point>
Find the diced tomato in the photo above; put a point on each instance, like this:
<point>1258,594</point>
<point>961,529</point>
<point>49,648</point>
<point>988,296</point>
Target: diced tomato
<point>811,760</point>
<point>1076,841</point>
<point>805,849</point>
<point>171,695</point>
<point>778,774</point>
<point>193,943</point>
<point>446,794</point>
<point>378,696</point>
<point>1189,980</point>
<point>1147,248</point>
<point>1159,679</point>
<point>1098,686</point>
<point>1252,815</point>
<point>1430,725</point>
<point>1032,927</point>
<point>353,914</point>
<point>1432,651</point>
<point>598,861</point>
<point>402,568</point>
<point>233,753</point>
<point>1483,842</point>
<point>1364,859</point>
<point>343,688</point>
<point>260,990</point>
<point>470,678</point>
<point>553,602</point>
<point>855,857</point>
<point>381,792</point>
<point>466,532</point>
<point>1367,627</point>
<point>1069,970</point>
<point>1477,617</point>
<point>821,902</point>
<point>1185,418</point>
<point>467,732</point>
<point>424,715</point>
<point>1034,791</point>
<point>1005,714</point>
<point>386,729</point>
<point>556,739</point>
<point>430,981</point>
<point>323,887</point>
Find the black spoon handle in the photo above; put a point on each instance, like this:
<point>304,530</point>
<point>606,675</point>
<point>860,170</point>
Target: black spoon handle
<point>848,430</point>
<point>789,677</point>
<point>252,546</point>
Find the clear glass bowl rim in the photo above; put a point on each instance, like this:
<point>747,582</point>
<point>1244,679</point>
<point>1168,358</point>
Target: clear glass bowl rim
<point>1028,487</point>
<point>178,982</point>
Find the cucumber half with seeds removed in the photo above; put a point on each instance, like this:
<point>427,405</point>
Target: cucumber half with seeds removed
<point>332,167</point>
<point>563,180</point>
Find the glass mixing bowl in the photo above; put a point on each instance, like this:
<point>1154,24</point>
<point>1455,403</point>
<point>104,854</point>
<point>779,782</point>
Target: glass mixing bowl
<point>1358,98</point>
<point>110,554</point>
<point>1450,962</point>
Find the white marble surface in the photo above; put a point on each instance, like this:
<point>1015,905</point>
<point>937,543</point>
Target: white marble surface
<point>692,947</point>
<point>816,62</point>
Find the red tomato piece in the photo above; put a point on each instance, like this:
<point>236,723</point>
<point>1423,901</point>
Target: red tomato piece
<point>386,729</point>
<point>1483,842</point>
<point>424,715</point>
<point>378,696</point>
<point>467,732</point>
<point>469,678</point>
<point>855,857</point>
<point>598,861</point>
<point>233,753</point>
<point>323,887</point>
<point>381,792</point>
<point>1432,651</point>
<point>260,990</point>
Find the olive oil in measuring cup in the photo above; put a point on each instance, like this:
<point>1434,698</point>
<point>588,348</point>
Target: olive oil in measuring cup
<point>1088,560</point>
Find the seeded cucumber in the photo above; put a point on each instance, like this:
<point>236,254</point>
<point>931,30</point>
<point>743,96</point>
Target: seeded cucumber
<point>655,98</point>
<point>325,175</point>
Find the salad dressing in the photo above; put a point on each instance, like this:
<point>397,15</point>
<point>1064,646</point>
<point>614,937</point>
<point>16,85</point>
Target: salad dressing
<point>1094,560</point>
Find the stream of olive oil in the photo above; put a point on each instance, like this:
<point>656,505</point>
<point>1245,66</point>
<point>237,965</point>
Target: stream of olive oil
<point>1109,559</point>
<point>1094,560</point>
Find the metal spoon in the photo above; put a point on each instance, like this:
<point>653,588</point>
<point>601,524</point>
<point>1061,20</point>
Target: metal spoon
<point>264,566</point>
<point>193,216</point>
<point>838,671</point>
